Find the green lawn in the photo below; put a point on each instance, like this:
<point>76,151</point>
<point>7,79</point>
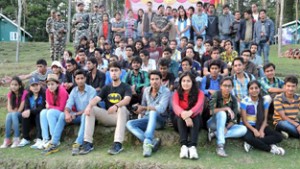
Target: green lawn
<point>166,157</point>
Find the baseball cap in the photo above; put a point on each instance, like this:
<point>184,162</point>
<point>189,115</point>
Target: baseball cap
<point>56,63</point>
<point>33,80</point>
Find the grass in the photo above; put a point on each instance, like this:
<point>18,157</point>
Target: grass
<point>166,157</point>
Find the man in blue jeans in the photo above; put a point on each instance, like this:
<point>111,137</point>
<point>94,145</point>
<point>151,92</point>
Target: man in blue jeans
<point>76,104</point>
<point>264,31</point>
<point>224,110</point>
<point>152,112</point>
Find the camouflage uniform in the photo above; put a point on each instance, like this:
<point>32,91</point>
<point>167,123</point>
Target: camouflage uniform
<point>49,29</point>
<point>95,19</point>
<point>81,23</point>
<point>60,30</point>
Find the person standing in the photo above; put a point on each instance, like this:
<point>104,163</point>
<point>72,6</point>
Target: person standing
<point>245,31</point>
<point>264,31</point>
<point>60,30</point>
<point>199,22</point>
<point>255,12</point>
<point>225,21</point>
<point>94,19</point>
<point>81,23</point>
<point>160,23</point>
<point>49,29</point>
<point>234,31</point>
<point>212,29</point>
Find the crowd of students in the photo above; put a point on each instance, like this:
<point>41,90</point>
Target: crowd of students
<point>143,85</point>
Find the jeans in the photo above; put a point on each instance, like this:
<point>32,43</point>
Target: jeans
<point>236,45</point>
<point>224,37</point>
<point>218,121</point>
<point>189,132</point>
<point>271,137</point>
<point>144,128</point>
<point>12,122</point>
<point>57,123</point>
<point>265,48</point>
<point>288,127</point>
<point>79,139</point>
<point>244,45</point>
<point>44,124</point>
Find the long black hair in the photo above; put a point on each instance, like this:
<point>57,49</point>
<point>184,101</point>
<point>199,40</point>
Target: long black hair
<point>185,15</point>
<point>15,100</point>
<point>140,18</point>
<point>193,94</point>
<point>260,114</point>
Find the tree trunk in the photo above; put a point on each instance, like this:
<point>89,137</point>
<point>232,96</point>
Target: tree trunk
<point>296,32</point>
<point>280,28</point>
<point>69,21</point>
<point>264,4</point>
<point>19,30</point>
<point>277,15</point>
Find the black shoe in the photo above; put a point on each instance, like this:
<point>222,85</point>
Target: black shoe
<point>156,144</point>
<point>116,148</point>
<point>86,148</point>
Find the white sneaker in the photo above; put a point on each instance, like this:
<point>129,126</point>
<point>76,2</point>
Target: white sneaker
<point>6,143</point>
<point>285,135</point>
<point>43,144</point>
<point>37,144</point>
<point>184,152</point>
<point>277,150</point>
<point>193,153</point>
<point>16,142</point>
<point>247,147</point>
<point>24,142</point>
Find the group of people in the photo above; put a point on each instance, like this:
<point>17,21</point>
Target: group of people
<point>142,85</point>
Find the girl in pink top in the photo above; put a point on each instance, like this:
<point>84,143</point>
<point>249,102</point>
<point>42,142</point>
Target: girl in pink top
<point>188,103</point>
<point>15,105</point>
<point>56,99</point>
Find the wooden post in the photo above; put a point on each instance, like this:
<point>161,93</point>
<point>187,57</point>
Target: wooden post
<point>69,21</point>
<point>296,32</point>
<point>19,30</point>
<point>280,28</point>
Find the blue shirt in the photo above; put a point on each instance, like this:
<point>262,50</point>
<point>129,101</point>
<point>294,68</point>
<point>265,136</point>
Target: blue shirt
<point>196,66</point>
<point>160,102</point>
<point>240,90</point>
<point>108,79</point>
<point>80,99</point>
<point>173,67</point>
<point>214,85</point>
<point>199,21</point>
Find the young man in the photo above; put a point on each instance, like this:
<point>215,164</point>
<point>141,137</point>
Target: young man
<point>153,114</point>
<point>250,67</point>
<point>79,98</point>
<point>196,66</point>
<point>199,22</point>
<point>199,47</point>
<point>147,20</point>
<point>160,24</point>
<point>208,45</point>
<point>168,78</point>
<point>256,59</point>
<point>116,96</point>
<point>121,50</point>
<point>173,65</point>
<point>264,31</point>
<point>108,79</point>
<point>82,58</point>
<point>176,54</point>
<point>287,105</point>
<point>211,83</point>
<point>182,45</point>
<point>155,52</point>
<point>225,22</point>
<point>58,69</point>
<point>215,56</point>
<point>126,64</point>
<point>148,64</point>
<point>137,79</point>
<point>213,22</point>
<point>245,31</point>
<point>255,12</point>
<point>240,79</point>
<point>234,30</point>
<point>95,77</point>
<point>224,111</point>
<point>229,54</point>
<point>69,80</point>
<point>80,21</point>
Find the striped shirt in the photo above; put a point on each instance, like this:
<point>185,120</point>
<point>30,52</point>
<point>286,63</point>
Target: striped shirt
<point>290,109</point>
<point>250,107</point>
<point>240,88</point>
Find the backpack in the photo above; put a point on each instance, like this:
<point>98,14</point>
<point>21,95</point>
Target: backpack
<point>208,81</point>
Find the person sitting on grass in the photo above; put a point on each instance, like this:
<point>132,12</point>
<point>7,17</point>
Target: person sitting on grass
<point>211,83</point>
<point>108,79</point>
<point>168,78</point>
<point>215,56</point>
<point>224,110</point>
<point>152,112</point>
<point>56,98</point>
<point>79,99</point>
<point>286,109</point>
<point>15,105</point>
<point>69,82</point>
<point>35,102</point>
<point>254,111</point>
<point>116,96</point>
<point>58,69</point>
<point>94,77</point>
<point>187,103</point>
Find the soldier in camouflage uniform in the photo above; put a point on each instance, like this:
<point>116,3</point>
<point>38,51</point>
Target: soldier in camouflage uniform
<point>49,30</point>
<point>95,19</point>
<point>81,23</point>
<point>60,30</point>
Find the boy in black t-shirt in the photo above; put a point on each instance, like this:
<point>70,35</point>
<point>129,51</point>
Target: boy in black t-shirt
<point>116,96</point>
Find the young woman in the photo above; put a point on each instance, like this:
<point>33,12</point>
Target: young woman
<point>15,105</point>
<point>83,44</point>
<point>138,46</point>
<point>34,103</point>
<point>254,115</point>
<point>139,23</point>
<point>67,55</point>
<point>91,51</point>
<point>56,98</point>
<point>130,41</point>
<point>101,41</point>
<point>104,28</point>
<point>131,26</point>
<point>182,25</point>
<point>188,103</point>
